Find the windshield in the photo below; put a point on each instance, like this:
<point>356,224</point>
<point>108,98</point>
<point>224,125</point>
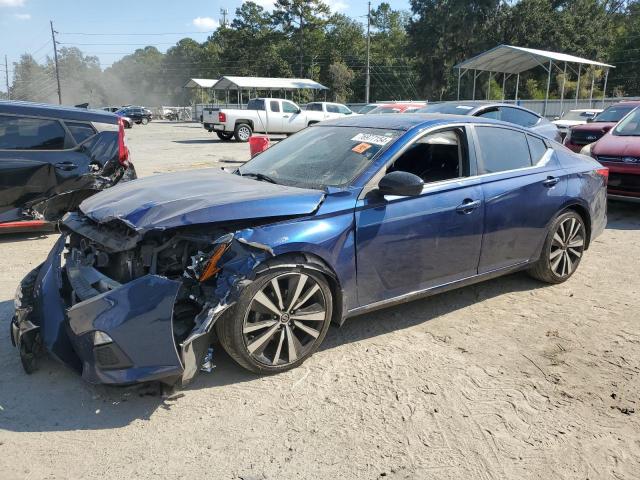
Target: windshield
<point>577,116</point>
<point>450,108</point>
<point>613,113</point>
<point>318,157</point>
<point>629,126</point>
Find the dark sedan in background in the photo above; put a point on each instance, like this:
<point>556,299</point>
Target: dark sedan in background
<point>498,111</point>
<point>52,158</point>
<point>342,218</point>
<point>139,115</point>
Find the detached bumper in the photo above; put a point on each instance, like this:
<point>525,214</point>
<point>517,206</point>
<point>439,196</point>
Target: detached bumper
<point>119,337</point>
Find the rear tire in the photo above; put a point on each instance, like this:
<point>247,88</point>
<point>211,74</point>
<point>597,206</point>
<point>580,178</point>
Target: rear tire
<point>242,132</point>
<point>562,249</point>
<point>288,330</point>
<point>224,136</point>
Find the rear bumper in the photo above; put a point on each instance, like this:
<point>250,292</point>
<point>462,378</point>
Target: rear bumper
<point>624,180</point>
<point>119,337</point>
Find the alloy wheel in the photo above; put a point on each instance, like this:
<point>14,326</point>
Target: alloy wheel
<point>567,247</point>
<point>244,133</point>
<point>284,319</point>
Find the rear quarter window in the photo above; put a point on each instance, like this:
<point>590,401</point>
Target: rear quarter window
<point>80,131</point>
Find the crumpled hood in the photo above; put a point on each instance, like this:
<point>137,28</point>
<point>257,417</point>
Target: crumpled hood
<point>197,196</point>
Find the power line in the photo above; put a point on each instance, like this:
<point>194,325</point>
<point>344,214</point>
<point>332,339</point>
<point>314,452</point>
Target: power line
<point>138,33</point>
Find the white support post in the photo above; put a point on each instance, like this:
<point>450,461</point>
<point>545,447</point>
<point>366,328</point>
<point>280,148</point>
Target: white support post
<point>593,81</point>
<point>473,96</point>
<point>504,81</point>
<point>489,86</point>
<point>578,84</point>
<point>546,97</point>
<point>604,89</point>
<point>517,86</point>
<point>459,72</point>
<point>564,81</point>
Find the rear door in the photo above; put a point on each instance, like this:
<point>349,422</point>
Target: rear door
<point>37,160</point>
<point>523,186</point>
<point>275,120</point>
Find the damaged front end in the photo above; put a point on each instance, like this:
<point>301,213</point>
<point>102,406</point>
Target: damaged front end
<point>122,307</point>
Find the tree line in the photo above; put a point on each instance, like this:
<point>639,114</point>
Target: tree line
<point>412,54</point>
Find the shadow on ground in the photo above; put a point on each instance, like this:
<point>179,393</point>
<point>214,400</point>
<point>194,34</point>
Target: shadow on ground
<point>623,215</point>
<point>56,399</point>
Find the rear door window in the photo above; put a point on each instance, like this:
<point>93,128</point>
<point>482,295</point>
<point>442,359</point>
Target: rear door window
<point>332,108</point>
<point>314,107</point>
<point>80,131</point>
<point>24,133</point>
<point>275,105</point>
<point>502,149</point>
<point>256,104</point>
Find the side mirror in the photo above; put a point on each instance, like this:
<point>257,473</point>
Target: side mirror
<point>401,184</point>
<point>590,120</point>
<point>556,118</point>
<point>299,111</point>
<point>606,128</point>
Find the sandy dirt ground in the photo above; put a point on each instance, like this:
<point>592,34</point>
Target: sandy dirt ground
<point>509,379</point>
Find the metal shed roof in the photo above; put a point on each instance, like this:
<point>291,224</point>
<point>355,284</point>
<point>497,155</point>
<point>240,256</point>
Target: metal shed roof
<point>511,59</point>
<point>201,82</point>
<point>267,83</point>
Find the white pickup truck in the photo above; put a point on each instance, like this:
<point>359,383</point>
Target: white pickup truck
<point>262,115</point>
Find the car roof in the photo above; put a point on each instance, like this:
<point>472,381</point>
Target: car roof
<point>56,111</point>
<point>585,110</point>
<point>479,103</point>
<point>407,121</point>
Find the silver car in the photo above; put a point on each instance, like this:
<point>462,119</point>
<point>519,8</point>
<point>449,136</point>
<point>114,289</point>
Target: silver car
<point>498,111</point>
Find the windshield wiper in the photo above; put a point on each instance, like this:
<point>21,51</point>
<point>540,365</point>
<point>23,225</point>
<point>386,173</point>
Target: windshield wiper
<point>259,176</point>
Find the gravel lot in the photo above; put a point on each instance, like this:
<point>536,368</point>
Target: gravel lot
<point>509,379</point>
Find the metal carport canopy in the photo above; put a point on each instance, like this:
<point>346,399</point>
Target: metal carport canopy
<point>201,83</point>
<point>267,83</point>
<point>514,60</point>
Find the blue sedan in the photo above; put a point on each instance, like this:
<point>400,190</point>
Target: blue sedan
<point>344,217</point>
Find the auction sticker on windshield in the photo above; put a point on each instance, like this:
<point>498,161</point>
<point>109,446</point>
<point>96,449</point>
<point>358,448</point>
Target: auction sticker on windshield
<point>373,139</point>
<point>361,147</point>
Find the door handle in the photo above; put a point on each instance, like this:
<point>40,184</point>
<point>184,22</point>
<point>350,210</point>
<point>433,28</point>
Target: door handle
<point>551,182</point>
<point>286,116</point>
<point>65,166</point>
<point>468,206</point>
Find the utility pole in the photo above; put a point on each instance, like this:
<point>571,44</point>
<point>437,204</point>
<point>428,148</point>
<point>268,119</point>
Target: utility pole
<point>368,73</point>
<point>6,76</point>
<point>301,42</point>
<point>224,12</point>
<point>55,56</point>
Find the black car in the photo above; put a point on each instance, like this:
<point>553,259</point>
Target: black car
<point>52,158</point>
<point>137,114</point>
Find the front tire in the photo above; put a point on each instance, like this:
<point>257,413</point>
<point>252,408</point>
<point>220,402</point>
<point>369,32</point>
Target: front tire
<point>562,250</point>
<point>145,120</point>
<point>242,132</point>
<point>279,321</point>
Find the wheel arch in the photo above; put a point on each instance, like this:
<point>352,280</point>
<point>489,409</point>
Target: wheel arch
<point>583,211</point>
<point>245,120</point>
<point>312,261</point>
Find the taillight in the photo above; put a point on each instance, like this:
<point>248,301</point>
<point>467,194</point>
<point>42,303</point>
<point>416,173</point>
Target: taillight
<point>123,151</point>
<point>604,172</point>
<point>222,117</point>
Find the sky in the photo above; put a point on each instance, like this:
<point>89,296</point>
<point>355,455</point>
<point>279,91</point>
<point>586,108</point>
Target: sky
<point>24,24</point>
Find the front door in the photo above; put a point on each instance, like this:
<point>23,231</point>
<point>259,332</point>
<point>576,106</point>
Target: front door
<point>407,244</point>
<point>293,119</point>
